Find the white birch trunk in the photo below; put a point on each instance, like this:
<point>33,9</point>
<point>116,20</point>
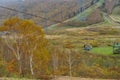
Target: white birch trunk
<point>31,65</point>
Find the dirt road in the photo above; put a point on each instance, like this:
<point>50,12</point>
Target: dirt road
<point>78,78</point>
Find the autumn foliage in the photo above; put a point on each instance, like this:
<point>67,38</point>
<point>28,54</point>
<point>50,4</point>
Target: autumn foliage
<point>25,52</point>
<point>23,48</point>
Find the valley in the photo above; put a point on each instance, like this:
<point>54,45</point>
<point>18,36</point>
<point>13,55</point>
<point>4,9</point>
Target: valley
<point>49,43</point>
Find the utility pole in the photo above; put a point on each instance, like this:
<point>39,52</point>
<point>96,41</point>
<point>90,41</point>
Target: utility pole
<point>20,9</point>
<point>81,8</point>
<point>45,19</point>
<point>80,5</point>
<point>45,14</point>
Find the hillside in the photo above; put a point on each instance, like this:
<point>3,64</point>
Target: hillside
<point>110,5</point>
<point>115,16</point>
<point>73,41</point>
<point>91,15</point>
<point>102,11</point>
<point>98,63</point>
<point>57,10</point>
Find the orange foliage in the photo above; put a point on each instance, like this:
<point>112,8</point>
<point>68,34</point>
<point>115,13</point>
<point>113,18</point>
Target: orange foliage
<point>11,66</point>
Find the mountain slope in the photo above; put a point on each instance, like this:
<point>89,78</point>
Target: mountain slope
<point>116,14</point>
<point>59,10</point>
<point>55,9</point>
<point>87,11</point>
<point>104,10</point>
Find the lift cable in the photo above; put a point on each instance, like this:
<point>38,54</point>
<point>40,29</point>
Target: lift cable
<point>48,19</point>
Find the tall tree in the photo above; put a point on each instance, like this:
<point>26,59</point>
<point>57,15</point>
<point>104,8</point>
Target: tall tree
<point>26,42</point>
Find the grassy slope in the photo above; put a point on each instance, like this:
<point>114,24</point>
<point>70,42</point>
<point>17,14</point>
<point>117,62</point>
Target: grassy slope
<point>77,35</point>
<point>83,14</point>
<point>91,34</point>
<point>87,11</point>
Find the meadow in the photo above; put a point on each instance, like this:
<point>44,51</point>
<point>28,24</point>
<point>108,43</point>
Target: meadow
<point>59,50</point>
<point>100,62</point>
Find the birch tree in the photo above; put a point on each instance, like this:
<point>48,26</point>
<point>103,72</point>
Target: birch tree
<point>24,38</point>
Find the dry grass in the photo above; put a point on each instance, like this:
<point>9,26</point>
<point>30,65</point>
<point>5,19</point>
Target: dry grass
<point>54,36</point>
<point>16,79</point>
<point>77,78</point>
<point>96,35</point>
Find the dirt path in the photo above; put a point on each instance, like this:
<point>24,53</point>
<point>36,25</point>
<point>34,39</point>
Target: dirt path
<point>78,78</point>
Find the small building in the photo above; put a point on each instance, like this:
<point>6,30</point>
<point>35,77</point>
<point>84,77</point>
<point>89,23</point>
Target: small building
<point>87,47</point>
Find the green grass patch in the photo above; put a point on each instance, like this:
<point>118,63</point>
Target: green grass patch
<point>102,50</point>
<point>116,14</point>
<point>116,10</point>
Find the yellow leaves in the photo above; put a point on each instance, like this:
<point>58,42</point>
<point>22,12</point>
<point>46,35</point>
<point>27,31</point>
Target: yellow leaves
<point>21,26</point>
<point>3,28</point>
<point>11,66</point>
<point>27,40</point>
<point>11,22</point>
